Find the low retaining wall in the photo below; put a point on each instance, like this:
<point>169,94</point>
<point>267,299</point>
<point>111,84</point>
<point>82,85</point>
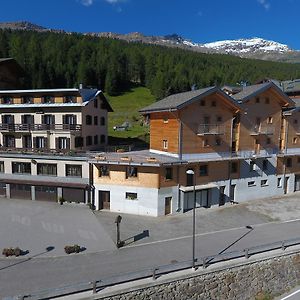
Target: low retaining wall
<point>246,280</point>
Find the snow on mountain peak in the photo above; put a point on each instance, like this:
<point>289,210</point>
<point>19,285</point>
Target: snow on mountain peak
<point>247,45</point>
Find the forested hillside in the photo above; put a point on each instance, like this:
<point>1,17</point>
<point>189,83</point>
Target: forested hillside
<point>53,60</point>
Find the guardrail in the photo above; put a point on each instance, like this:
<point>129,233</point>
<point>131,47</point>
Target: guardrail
<point>156,271</point>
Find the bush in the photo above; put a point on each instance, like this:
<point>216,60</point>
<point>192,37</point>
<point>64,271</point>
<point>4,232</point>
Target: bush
<point>72,249</point>
<point>11,251</point>
<point>61,200</point>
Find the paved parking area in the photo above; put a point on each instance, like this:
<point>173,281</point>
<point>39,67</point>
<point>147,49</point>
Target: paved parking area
<point>141,229</point>
<point>35,226</point>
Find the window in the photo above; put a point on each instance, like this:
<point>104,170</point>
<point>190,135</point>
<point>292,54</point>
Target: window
<point>95,120</point>
<point>295,140</point>
<point>131,196</point>
<point>47,169</point>
<point>233,167</point>
<point>69,119</point>
<point>103,171</point>
<point>78,141</point>
<point>27,99</point>
<point>27,119</point>
<point>265,165</point>
<point>270,120</point>
<point>21,167</point>
<point>102,139</point>
<point>74,170</point>
<point>264,182</point>
<point>169,173</point>
<point>218,142</point>
<point>9,141</point>
<point>96,103</point>
<point>203,171</point>
<point>252,166</point>
<point>48,99</point>
<point>295,121</point>
<point>27,141</point>
<point>48,119</point>
<point>96,140</point>
<point>102,121</point>
<point>205,143</point>
<point>289,162</point>
<point>8,119</point>
<point>279,182</point>
<point>257,99</point>
<point>89,140</point>
<point>251,183</point>
<point>214,103</point>
<point>267,100</point>
<point>298,159</point>
<point>2,167</point>
<point>219,119</point>
<point>63,143</point>
<point>7,100</point>
<point>69,99</point>
<point>165,144</point>
<point>40,142</point>
<point>268,141</point>
<point>88,120</point>
<point>131,172</point>
<point>202,103</point>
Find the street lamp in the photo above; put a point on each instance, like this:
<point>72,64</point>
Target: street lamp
<point>192,173</point>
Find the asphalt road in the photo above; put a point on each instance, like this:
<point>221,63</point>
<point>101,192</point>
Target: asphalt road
<point>25,275</point>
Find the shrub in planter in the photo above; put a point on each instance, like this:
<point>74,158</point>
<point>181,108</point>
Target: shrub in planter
<point>61,200</point>
<point>12,251</point>
<point>72,249</point>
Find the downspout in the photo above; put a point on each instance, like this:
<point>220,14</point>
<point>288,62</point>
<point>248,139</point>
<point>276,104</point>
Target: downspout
<point>284,153</point>
<point>230,149</point>
<point>91,187</point>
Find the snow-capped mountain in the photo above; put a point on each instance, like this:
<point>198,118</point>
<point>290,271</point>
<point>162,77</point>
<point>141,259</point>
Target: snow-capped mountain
<point>247,46</point>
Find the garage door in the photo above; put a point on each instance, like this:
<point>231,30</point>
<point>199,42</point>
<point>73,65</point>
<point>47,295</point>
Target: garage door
<point>297,182</point>
<point>46,193</point>
<point>74,195</point>
<point>20,191</point>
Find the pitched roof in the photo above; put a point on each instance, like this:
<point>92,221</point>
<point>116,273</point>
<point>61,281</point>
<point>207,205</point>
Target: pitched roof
<point>256,89</point>
<point>180,100</point>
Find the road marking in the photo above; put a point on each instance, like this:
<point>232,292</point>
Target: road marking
<point>292,294</point>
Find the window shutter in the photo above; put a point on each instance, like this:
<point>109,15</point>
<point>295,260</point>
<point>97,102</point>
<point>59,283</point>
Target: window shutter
<point>52,119</point>
<point>68,143</point>
<point>64,119</point>
<point>13,142</point>
<point>56,143</point>
<point>12,119</point>
<point>34,142</point>
<point>45,143</point>
<point>22,119</point>
<point>74,119</point>
<point>43,119</point>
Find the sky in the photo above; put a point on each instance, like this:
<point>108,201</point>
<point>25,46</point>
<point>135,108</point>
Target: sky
<point>197,20</point>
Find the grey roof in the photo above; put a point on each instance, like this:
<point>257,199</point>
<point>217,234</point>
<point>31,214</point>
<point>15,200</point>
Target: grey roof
<point>178,101</point>
<point>256,89</point>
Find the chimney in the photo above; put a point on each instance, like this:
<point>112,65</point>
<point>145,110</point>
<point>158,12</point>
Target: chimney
<point>80,86</point>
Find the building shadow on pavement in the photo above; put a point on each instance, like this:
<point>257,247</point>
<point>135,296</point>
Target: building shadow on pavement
<point>136,237</point>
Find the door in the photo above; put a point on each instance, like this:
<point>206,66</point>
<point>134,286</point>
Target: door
<point>222,196</point>
<point>232,193</point>
<point>286,182</point>
<point>73,195</point>
<point>168,204</point>
<point>297,182</point>
<point>104,200</point>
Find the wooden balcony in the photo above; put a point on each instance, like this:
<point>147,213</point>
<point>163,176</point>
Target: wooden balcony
<point>210,129</point>
<point>262,130</point>
<point>39,127</point>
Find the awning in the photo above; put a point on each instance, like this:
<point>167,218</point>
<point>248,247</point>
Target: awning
<point>198,187</point>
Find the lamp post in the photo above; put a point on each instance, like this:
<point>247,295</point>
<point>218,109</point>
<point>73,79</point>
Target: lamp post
<point>192,173</point>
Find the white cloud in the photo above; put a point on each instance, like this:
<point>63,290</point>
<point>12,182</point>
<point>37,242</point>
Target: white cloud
<point>87,2</point>
<point>115,1</point>
<point>265,3</point>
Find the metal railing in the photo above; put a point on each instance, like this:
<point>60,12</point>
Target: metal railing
<point>40,127</point>
<point>157,271</point>
<point>210,129</point>
<point>259,129</point>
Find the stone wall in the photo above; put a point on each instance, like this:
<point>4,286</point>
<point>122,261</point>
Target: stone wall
<point>249,280</point>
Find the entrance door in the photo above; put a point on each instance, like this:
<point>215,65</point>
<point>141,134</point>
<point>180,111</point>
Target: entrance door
<point>168,202</point>
<point>232,193</point>
<point>286,182</point>
<point>104,200</point>
<point>297,182</point>
<point>222,196</point>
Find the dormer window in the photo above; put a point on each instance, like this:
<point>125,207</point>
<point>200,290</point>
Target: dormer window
<point>69,99</point>
<point>48,99</point>
<point>27,99</point>
<point>7,100</point>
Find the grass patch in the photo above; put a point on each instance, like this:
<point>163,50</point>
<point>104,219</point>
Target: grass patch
<point>126,107</point>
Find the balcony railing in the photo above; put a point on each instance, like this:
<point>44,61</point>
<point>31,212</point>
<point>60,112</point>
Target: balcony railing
<point>40,127</point>
<point>262,130</point>
<point>210,129</point>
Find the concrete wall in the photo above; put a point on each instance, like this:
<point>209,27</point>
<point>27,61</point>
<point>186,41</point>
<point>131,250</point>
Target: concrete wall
<point>272,276</point>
